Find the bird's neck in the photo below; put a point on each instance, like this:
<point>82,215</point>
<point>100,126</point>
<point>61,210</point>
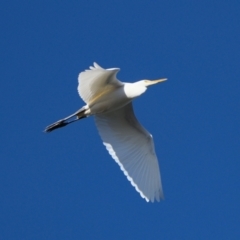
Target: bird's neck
<point>133,90</point>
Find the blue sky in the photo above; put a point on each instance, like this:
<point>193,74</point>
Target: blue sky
<point>64,185</point>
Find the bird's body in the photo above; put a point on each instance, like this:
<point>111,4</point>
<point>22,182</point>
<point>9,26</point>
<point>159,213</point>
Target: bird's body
<point>130,145</point>
<point>103,105</point>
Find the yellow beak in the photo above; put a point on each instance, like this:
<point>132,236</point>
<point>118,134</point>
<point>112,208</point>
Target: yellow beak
<point>151,82</point>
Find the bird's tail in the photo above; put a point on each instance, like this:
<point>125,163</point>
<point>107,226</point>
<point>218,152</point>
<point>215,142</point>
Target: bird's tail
<point>65,121</point>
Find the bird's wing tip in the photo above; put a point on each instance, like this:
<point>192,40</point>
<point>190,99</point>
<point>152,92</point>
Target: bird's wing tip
<point>94,67</point>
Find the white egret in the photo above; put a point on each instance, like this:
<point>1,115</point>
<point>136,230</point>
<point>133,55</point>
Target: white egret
<point>129,144</point>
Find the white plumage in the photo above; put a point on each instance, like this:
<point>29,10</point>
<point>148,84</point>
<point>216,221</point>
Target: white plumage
<point>95,81</point>
<point>129,144</point>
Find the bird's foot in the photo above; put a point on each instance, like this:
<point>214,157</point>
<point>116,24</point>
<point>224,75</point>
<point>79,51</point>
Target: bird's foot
<point>58,124</point>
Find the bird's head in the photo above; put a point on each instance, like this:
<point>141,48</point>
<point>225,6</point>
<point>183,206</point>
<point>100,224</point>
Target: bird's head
<point>138,88</point>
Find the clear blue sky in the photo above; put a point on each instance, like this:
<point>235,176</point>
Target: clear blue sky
<point>64,185</point>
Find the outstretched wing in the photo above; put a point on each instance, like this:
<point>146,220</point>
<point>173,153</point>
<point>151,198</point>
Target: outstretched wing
<point>96,80</point>
<point>132,147</point>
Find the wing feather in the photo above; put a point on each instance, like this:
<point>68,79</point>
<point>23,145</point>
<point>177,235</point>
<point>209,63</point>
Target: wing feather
<point>96,80</point>
<point>132,147</point>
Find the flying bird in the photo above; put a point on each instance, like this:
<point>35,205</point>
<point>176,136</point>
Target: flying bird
<point>130,144</point>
